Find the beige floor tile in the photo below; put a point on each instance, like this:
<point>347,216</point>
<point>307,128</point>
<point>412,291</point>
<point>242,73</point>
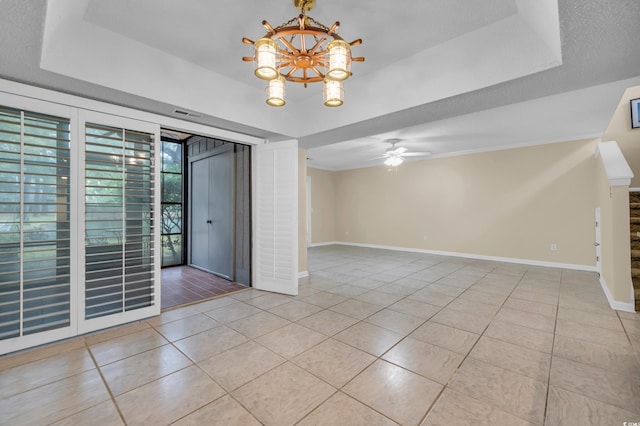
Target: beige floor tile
<point>528,362</point>
<point>473,307</point>
<point>395,321</point>
<point>378,298</point>
<point>356,309</point>
<point>241,364</point>
<point>455,408</point>
<point>631,326</point>
<point>590,318</point>
<point>220,302</point>
<point>565,406</point>
<point>104,414</point>
<point>248,294</point>
<point>527,319</point>
<point>347,290</point>
<point>473,323</point>
<point>324,299</point>
<point>575,303</point>
<point>368,283</point>
<point>432,297</point>
<point>494,287</point>
<point>269,300</point>
<point>452,291</point>
<point>209,343</point>
<point>634,316</point>
<point>115,332</point>
<point>25,377</point>
<point>482,297</point>
<point>368,337</point>
<point>328,322</point>
<point>283,396</point>
<point>610,357</point>
<point>125,346</point>
<point>232,312</point>
<point>174,315</point>
<point>42,352</point>
<point>530,306</point>
<point>535,297</point>
<point>621,390</point>
<point>186,327</point>
<point>432,362</point>
<point>169,398</point>
<point>415,308</point>
<point>519,335</point>
<point>55,401</point>
<point>603,336</point>
<point>454,339</point>
<point>295,310</point>
<point>341,409</point>
<point>397,289</point>
<point>334,362</point>
<point>258,324</point>
<point>222,412</point>
<point>395,392</point>
<point>130,373</point>
<point>291,340</point>
<point>514,393</point>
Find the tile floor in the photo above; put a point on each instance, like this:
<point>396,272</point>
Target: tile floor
<point>183,284</point>
<point>374,338</point>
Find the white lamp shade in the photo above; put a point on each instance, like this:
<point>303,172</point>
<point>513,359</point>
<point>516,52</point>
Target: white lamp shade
<point>333,93</point>
<point>339,60</point>
<point>265,59</point>
<point>275,92</point>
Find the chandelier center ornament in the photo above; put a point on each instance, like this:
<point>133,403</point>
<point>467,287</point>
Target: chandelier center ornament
<point>305,51</point>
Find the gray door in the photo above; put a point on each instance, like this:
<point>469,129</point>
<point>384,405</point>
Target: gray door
<point>212,214</point>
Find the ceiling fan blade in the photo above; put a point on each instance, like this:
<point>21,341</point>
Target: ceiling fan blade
<point>416,154</point>
<point>400,150</point>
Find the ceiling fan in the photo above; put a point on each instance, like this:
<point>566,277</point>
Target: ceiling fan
<point>395,155</point>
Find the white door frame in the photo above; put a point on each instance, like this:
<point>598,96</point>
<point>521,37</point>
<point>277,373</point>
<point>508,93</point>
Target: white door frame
<point>598,241</point>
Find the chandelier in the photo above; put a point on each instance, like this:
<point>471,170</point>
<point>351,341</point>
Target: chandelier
<point>303,50</point>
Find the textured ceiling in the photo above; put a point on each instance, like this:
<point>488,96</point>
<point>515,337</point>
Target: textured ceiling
<point>445,76</point>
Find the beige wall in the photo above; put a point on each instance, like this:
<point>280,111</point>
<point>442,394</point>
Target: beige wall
<point>302,210</point>
<point>614,220</point>
<point>323,195</point>
<point>513,203</point>
<point>628,139</point>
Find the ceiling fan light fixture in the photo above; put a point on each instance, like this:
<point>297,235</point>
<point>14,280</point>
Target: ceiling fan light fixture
<point>333,93</point>
<point>275,92</point>
<point>393,161</point>
<point>265,59</point>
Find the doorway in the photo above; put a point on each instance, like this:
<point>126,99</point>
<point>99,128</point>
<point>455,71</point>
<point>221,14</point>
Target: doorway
<point>206,217</point>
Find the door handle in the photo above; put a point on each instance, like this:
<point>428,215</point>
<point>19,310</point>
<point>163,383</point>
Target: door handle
<point>596,244</point>
<point>208,220</point>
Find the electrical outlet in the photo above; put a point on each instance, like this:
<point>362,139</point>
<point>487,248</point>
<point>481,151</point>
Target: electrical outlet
<point>554,247</point>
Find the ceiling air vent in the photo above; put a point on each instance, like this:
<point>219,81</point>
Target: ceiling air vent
<point>186,113</point>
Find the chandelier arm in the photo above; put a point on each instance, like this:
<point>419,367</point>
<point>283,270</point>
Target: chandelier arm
<point>317,45</point>
<point>356,42</point>
<point>334,27</point>
<point>303,44</point>
<point>248,58</point>
<point>359,59</point>
<point>286,42</point>
<point>320,74</point>
<point>268,27</point>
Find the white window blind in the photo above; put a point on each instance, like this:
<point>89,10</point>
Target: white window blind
<point>34,223</point>
<point>119,220</point>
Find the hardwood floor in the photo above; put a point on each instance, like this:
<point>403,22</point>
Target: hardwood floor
<point>184,284</point>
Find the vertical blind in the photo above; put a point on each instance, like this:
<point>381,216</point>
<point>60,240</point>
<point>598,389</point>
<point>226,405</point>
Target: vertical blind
<point>119,220</point>
<point>34,223</point>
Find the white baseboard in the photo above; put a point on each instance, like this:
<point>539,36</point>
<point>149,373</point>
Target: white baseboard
<point>588,268</point>
<point>618,306</point>
<point>303,274</point>
<point>328,243</point>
